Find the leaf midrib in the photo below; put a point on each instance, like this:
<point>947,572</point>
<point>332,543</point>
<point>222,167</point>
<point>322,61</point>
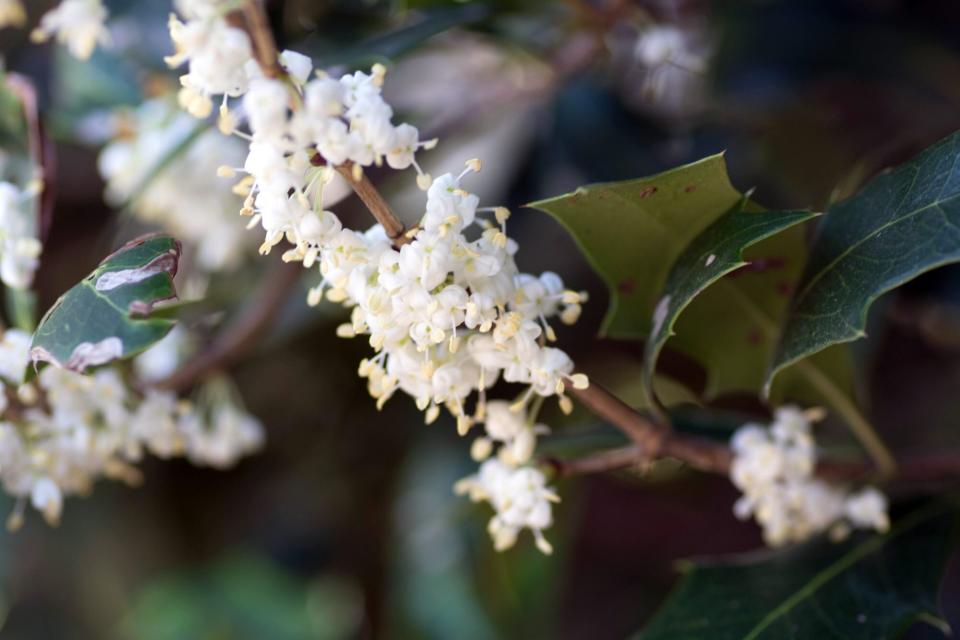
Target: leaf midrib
<point>844,562</point>
<point>843,255</point>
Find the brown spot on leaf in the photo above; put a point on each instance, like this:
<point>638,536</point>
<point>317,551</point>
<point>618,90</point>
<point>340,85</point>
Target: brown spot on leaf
<point>627,286</point>
<point>646,192</point>
<point>784,288</point>
<point>690,188</point>
<point>753,337</point>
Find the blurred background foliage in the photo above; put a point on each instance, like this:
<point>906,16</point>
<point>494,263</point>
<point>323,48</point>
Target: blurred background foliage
<point>345,525</point>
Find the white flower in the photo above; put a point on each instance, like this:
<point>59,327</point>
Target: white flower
<point>69,430</point>
<point>78,24</point>
<point>230,434</point>
<point>297,65</point>
<point>19,246</point>
<point>519,496</point>
<point>183,198</point>
<point>868,509</point>
<point>774,468</point>
<point>46,498</point>
<point>14,355</point>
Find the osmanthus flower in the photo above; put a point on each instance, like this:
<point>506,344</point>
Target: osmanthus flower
<point>774,467</point>
<point>69,430</point>
<point>80,25</point>
<point>448,313</point>
<point>12,14</point>
<point>519,495</point>
<point>19,247</point>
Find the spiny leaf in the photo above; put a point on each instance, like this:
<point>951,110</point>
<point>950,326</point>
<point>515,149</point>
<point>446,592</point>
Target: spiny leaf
<point>869,587</point>
<point>714,253</point>
<point>634,232</point>
<point>902,224</point>
<point>631,232</point>
<point>107,315</point>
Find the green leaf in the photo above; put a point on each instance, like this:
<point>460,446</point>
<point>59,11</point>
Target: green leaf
<point>900,225</point>
<point>868,587</point>
<point>631,232</point>
<point>107,315</point>
<point>714,253</point>
<point>634,232</point>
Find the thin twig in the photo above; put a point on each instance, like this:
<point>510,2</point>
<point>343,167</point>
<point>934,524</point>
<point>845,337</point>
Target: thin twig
<point>378,207</point>
<point>243,334</point>
<point>264,46</point>
<point>642,430</point>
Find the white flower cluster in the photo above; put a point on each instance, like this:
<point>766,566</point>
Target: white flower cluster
<point>448,312</point>
<point>219,54</point>
<point>178,195</point>
<point>774,468</point>
<point>80,25</point>
<point>19,247</point>
<point>341,121</point>
<point>514,488</point>
<point>65,430</point>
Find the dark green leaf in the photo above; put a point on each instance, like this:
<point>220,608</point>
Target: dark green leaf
<point>631,232</point>
<point>868,587</point>
<point>902,224</point>
<point>714,253</point>
<point>107,315</point>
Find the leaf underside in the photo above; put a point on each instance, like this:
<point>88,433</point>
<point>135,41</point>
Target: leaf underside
<point>106,316</point>
<point>632,231</point>
<point>716,252</point>
<point>869,587</point>
<point>900,225</point>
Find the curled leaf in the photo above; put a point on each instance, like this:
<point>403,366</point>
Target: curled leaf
<point>107,315</point>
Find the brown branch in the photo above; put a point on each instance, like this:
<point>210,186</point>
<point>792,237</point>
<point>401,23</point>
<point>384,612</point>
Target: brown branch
<point>642,430</point>
<point>264,46</point>
<point>375,203</point>
<point>243,333</point>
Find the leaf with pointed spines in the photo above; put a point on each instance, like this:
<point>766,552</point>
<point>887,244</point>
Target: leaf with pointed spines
<point>903,223</point>
<point>869,587</point>
<point>106,316</point>
<point>717,251</point>
<point>632,231</point>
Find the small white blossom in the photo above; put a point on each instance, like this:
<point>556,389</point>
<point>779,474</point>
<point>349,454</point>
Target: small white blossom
<point>78,24</point>
<point>19,247</point>
<point>774,468</point>
<point>520,497</point>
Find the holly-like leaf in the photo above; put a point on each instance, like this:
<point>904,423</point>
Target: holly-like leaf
<point>870,587</point>
<point>634,232</point>
<point>631,232</point>
<point>107,315</point>
<point>900,225</point>
<point>714,253</point>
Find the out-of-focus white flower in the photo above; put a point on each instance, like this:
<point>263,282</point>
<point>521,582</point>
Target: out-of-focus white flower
<point>93,426</point>
<point>12,14</point>
<point>19,247</point>
<point>774,468</point>
<point>180,197</point>
<point>78,24</point>
<point>228,435</point>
